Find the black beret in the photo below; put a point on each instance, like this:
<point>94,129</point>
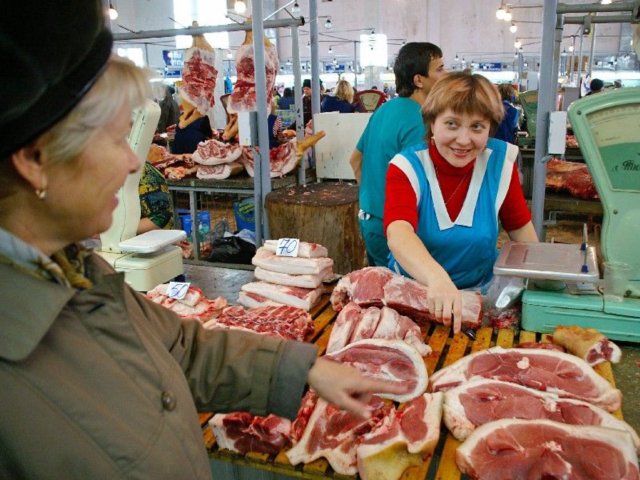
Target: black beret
<point>51,53</point>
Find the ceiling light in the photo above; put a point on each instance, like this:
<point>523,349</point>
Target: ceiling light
<point>373,32</point>
<point>517,43</point>
<point>327,23</point>
<point>507,16</point>
<point>500,12</point>
<point>295,8</point>
<point>571,48</point>
<point>113,13</point>
<point>456,59</point>
<point>330,49</point>
<point>229,55</point>
<point>605,2</point>
<point>516,54</point>
<point>240,7</point>
<point>513,28</point>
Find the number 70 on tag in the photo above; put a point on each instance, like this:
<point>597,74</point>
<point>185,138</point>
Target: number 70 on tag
<point>287,247</point>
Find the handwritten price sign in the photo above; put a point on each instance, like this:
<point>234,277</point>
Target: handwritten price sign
<point>178,290</point>
<point>287,247</point>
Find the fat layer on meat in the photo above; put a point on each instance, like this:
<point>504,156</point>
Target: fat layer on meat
<point>291,265</point>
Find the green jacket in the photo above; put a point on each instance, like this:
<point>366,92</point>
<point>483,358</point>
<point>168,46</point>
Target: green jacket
<point>102,383</point>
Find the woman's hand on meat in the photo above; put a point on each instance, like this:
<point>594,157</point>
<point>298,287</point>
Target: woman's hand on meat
<point>445,302</point>
<point>346,387</point>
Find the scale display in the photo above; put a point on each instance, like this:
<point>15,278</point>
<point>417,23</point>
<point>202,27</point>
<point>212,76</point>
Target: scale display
<point>616,133</point>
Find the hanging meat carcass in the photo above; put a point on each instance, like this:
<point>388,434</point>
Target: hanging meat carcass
<point>198,81</point>
<point>243,97</point>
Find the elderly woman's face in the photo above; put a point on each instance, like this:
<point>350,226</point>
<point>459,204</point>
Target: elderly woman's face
<point>460,137</point>
<point>82,193</point>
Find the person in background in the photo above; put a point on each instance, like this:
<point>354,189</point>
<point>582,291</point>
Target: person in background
<point>192,129</point>
<point>341,101</point>
<point>169,110</point>
<point>395,125</point>
<point>446,197</point>
<point>306,100</point>
<point>116,379</point>
<point>156,205</point>
<point>595,86</point>
<point>507,130</point>
<point>275,124</point>
<point>287,99</point>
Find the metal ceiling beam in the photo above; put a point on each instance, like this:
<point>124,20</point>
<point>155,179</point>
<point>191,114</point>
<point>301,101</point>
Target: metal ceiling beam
<point>231,27</point>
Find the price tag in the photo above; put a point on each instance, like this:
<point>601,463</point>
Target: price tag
<point>178,290</point>
<point>287,247</point>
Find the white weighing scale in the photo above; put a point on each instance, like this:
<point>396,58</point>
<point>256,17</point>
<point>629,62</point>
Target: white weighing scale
<point>148,259</point>
<point>607,126</point>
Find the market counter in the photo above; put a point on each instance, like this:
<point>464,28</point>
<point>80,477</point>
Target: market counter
<point>446,350</point>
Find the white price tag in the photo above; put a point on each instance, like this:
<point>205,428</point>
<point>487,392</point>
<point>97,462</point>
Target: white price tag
<point>287,247</point>
<point>178,290</point>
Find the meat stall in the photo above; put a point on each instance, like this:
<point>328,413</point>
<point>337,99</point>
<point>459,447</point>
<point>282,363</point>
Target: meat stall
<point>445,350</point>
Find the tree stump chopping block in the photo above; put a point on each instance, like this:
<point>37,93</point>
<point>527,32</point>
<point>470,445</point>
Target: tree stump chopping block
<point>324,213</point>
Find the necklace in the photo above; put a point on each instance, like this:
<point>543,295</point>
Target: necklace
<point>455,190</point>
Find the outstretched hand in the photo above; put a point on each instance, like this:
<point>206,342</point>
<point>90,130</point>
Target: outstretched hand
<point>346,387</point>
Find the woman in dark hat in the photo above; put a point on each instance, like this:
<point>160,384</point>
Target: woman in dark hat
<point>97,381</point>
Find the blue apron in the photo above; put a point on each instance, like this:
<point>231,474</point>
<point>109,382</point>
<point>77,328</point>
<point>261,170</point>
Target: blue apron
<point>466,246</point>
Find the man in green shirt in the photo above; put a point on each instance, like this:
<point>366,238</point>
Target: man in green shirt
<point>394,126</point>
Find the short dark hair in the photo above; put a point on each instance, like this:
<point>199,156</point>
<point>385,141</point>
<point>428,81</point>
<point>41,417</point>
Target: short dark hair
<point>413,59</point>
<point>596,85</point>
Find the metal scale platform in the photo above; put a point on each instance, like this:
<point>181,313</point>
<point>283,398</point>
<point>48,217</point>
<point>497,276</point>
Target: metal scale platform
<point>607,126</point>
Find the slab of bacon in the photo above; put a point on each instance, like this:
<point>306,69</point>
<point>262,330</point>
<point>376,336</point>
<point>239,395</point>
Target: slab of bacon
<point>283,321</point>
<point>215,152</point>
<point>219,172</point>
<point>194,305</point>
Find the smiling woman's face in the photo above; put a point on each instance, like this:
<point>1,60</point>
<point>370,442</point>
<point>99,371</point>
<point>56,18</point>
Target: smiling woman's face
<point>82,193</point>
<point>460,137</point>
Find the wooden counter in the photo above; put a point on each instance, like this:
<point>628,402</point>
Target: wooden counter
<point>446,350</point>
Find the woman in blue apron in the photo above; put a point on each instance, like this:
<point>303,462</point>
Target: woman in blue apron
<point>446,198</point>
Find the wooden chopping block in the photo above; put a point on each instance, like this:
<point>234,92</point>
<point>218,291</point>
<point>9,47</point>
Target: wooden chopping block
<point>324,213</point>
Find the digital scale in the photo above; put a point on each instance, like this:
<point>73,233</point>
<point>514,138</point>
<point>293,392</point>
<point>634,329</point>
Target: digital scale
<point>151,258</point>
<point>607,126</point>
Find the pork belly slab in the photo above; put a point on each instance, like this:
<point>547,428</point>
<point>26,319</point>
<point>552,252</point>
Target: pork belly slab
<point>305,249</point>
<point>547,370</point>
<point>354,323</point>
<point>292,265</point>
<point>302,281</point>
<point>379,286</point>
<point>304,298</point>
<point>528,449</point>
<point>481,400</point>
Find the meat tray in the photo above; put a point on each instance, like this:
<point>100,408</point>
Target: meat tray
<point>446,349</point>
